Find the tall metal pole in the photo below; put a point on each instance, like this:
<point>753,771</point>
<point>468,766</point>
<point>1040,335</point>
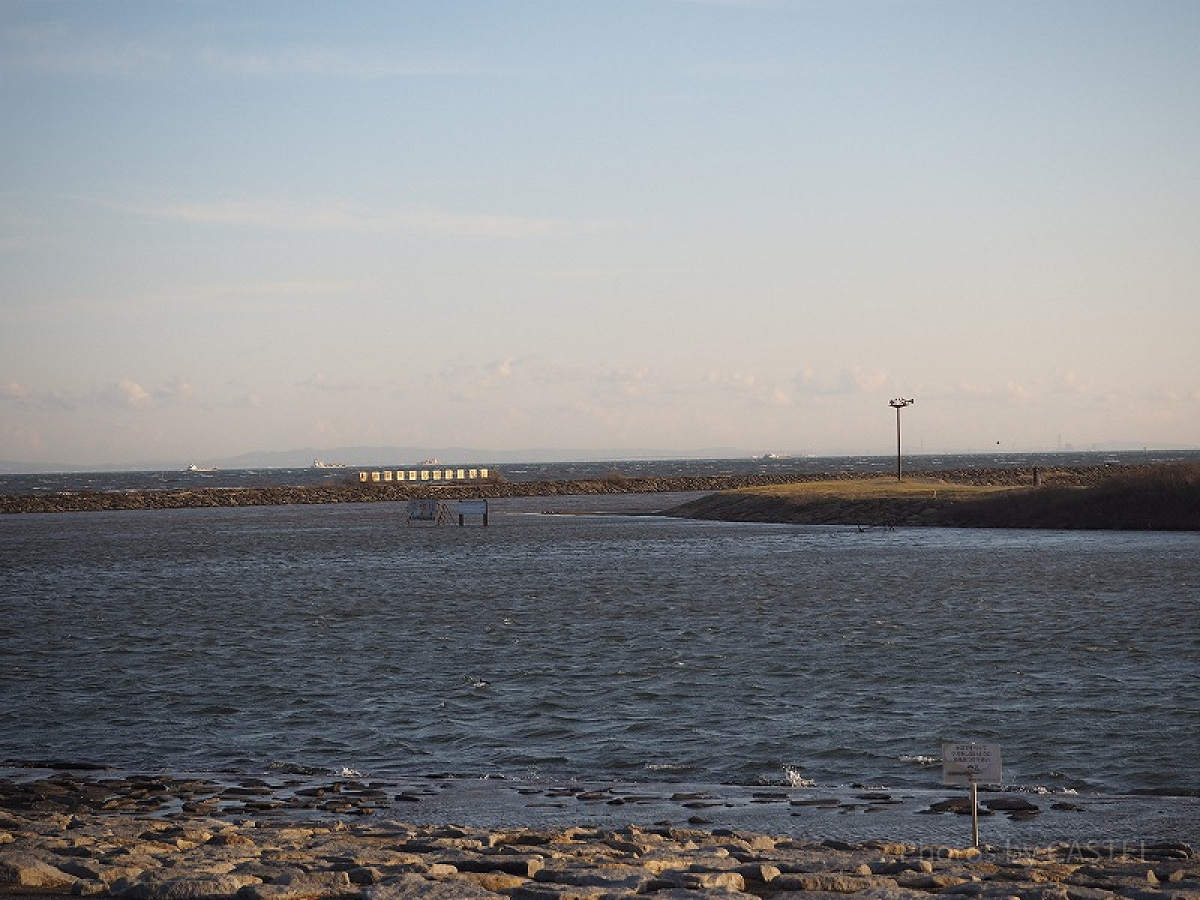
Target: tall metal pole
<point>898,404</point>
<point>899,457</point>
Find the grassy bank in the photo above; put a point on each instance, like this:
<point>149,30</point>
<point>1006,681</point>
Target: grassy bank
<point>1165,498</point>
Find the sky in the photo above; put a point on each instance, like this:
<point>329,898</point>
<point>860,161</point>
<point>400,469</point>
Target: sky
<point>593,227</point>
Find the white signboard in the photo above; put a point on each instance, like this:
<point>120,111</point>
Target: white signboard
<point>966,763</point>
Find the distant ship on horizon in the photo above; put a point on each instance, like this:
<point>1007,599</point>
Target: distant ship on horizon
<point>322,464</point>
<point>195,468</point>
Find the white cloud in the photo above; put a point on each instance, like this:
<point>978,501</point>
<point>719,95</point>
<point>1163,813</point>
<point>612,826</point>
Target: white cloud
<point>733,381</point>
<point>846,382</point>
<point>974,392</point>
<point>1074,383</point>
<point>61,48</point>
<point>501,368</point>
<point>23,395</point>
<point>467,382</point>
<point>748,387</point>
<point>1175,395</point>
<point>1017,391</point>
<point>179,389</point>
<point>323,61</point>
<point>351,217</point>
<point>322,383</point>
<point>630,384</point>
<point>133,394</point>
<point>126,393</point>
<point>779,397</point>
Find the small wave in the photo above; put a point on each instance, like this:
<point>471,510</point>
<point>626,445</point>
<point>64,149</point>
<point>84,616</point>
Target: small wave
<point>1038,789</point>
<point>921,760</point>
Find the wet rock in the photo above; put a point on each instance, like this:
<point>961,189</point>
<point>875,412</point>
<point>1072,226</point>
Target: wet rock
<point>178,856</point>
<point>875,797</point>
<point>959,805</point>
<point>1009,804</point>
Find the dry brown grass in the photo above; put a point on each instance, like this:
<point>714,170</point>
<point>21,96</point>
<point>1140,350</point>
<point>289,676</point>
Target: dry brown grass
<point>878,488</point>
<point>1164,497</point>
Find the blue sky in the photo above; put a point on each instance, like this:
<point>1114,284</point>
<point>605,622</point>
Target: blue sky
<point>665,225</point>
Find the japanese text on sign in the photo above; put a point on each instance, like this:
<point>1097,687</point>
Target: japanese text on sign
<point>964,763</point>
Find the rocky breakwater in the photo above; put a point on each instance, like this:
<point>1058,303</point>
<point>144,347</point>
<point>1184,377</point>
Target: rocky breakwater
<point>65,836</point>
<point>356,492</point>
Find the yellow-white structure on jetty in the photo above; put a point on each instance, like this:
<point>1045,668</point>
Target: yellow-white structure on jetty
<point>424,475</point>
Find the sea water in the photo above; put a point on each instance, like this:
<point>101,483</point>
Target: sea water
<point>615,648</point>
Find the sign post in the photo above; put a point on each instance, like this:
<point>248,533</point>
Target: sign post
<point>472,508</point>
<point>966,765</point>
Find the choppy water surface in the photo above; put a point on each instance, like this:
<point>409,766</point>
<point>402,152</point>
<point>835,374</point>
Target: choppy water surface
<point>629,648</point>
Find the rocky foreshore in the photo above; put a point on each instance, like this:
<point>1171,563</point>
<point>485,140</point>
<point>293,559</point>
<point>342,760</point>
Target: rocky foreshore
<point>154,838</point>
<point>355,492</point>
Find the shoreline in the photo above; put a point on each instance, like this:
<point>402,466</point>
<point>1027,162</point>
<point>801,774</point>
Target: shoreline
<point>1135,497</point>
<point>616,484</point>
<point>152,837</point>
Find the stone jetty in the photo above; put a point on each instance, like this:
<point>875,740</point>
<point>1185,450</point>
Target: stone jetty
<point>356,492</point>
<point>156,838</point>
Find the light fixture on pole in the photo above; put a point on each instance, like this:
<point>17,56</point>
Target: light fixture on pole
<point>898,404</point>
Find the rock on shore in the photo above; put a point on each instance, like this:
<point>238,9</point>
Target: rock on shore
<point>180,859</point>
<point>151,838</point>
